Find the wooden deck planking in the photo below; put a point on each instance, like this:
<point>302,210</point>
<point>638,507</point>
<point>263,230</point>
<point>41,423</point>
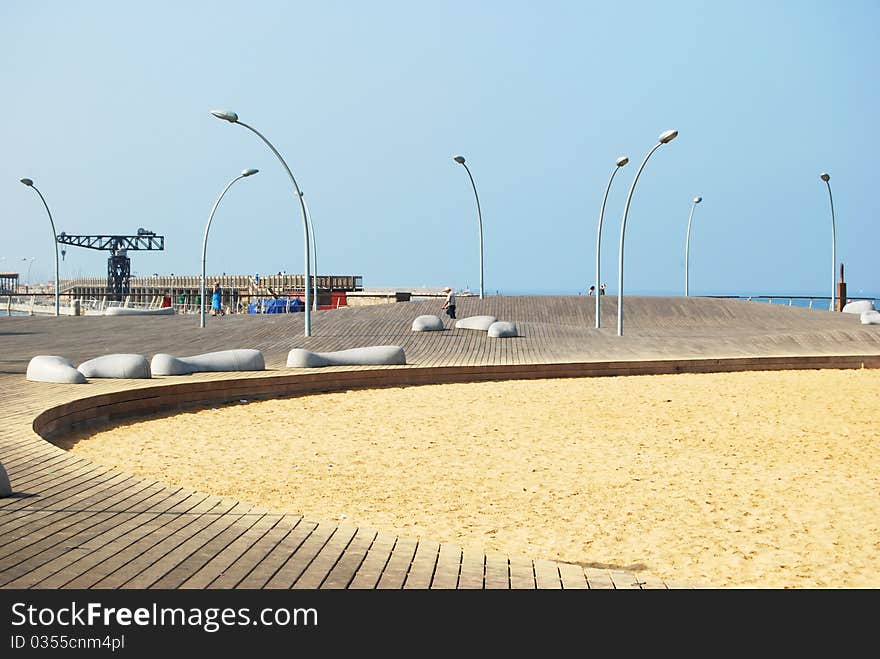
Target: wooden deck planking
<point>220,561</point>
<point>237,573</point>
<point>150,531</point>
<point>497,571</point>
<point>370,571</point>
<point>555,332</point>
<point>161,556</point>
<point>421,569</point>
<point>394,574</point>
<point>448,568</point>
<point>279,554</point>
<point>109,542</point>
<point>473,570</point>
<point>350,561</point>
<point>302,557</point>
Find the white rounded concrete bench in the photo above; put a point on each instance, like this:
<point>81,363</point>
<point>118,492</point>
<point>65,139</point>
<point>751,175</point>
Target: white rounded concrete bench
<point>501,330</point>
<point>53,368</point>
<point>242,359</point>
<point>5,485</point>
<point>427,323</point>
<point>870,318</point>
<point>858,306</point>
<point>116,366</point>
<point>367,356</point>
<point>125,311</point>
<point>475,322</point>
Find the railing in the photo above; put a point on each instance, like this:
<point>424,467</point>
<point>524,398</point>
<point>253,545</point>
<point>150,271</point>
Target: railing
<point>808,301</point>
<point>184,303</point>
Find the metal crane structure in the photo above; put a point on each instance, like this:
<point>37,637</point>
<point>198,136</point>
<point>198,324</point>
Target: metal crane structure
<point>118,264</point>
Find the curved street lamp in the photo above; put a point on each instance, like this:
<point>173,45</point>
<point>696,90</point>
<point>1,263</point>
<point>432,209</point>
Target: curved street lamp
<point>665,138</point>
<point>29,183</point>
<point>687,244</point>
<point>232,118</point>
<point>825,177</point>
<point>244,173</point>
<point>314,253</point>
<point>460,161</point>
<point>620,163</point>
<point>30,260</point>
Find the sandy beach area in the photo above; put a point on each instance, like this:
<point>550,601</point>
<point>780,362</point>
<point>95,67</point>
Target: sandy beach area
<point>765,479</point>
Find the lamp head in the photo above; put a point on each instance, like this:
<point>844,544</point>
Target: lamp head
<point>697,200</point>
<point>622,161</point>
<point>459,159</point>
<point>822,176</point>
<point>28,182</point>
<point>249,172</point>
<point>226,115</point>
<point>667,136</point>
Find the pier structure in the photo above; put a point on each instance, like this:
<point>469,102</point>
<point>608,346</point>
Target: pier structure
<point>183,291</point>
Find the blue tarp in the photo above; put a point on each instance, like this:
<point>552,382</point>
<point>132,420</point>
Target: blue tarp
<point>281,305</point>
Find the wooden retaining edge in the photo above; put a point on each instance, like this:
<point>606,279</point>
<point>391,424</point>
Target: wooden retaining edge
<point>127,403</point>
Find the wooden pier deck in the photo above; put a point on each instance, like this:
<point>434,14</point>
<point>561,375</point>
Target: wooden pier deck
<point>72,523</point>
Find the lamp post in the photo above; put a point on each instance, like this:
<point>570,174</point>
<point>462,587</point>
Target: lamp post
<point>30,260</point>
<point>29,183</point>
<point>314,253</point>
<point>232,118</point>
<point>665,138</point>
<point>825,177</point>
<point>687,243</point>
<point>620,163</point>
<point>244,173</point>
<point>460,161</point>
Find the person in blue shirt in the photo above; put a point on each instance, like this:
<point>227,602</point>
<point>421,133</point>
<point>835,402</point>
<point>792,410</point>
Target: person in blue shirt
<point>217,300</point>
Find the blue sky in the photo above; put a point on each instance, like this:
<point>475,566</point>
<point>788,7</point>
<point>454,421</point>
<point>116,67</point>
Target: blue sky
<point>107,109</point>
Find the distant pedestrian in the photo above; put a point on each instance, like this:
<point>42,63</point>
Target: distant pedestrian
<point>592,290</point>
<point>449,303</point>
<point>217,300</point>
<point>602,289</point>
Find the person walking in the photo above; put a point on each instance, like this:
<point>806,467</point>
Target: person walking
<point>602,289</point>
<point>449,303</point>
<point>592,290</point>
<point>217,300</point>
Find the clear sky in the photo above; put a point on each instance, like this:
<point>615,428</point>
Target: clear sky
<point>106,106</point>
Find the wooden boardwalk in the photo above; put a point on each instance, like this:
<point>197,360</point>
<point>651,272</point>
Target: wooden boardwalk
<point>72,523</point>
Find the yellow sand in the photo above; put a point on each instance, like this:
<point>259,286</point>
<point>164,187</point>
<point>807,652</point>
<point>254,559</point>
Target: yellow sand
<point>768,480</point>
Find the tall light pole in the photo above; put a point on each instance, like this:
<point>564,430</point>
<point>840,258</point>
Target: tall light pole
<point>30,260</point>
<point>620,163</point>
<point>29,183</point>
<point>664,138</point>
<point>825,177</point>
<point>460,161</point>
<point>244,173</point>
<point>232,118</point>
<point>314,253</point>
<point>687,244</point>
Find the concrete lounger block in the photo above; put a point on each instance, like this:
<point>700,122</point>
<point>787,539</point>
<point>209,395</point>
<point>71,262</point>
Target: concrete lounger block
<point>870,318</point>
<point>475,322</point>
<point>124,311</point>
<point>5,485</point>
<point>501,329</point>
<point>858,306</point>
<point>52,368</point>
<point>116,366</point>
<point>242,359</point>
<point>427,323</point>
<point>370,355</point>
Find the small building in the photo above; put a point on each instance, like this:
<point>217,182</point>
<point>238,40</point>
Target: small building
<point>8,283</point>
